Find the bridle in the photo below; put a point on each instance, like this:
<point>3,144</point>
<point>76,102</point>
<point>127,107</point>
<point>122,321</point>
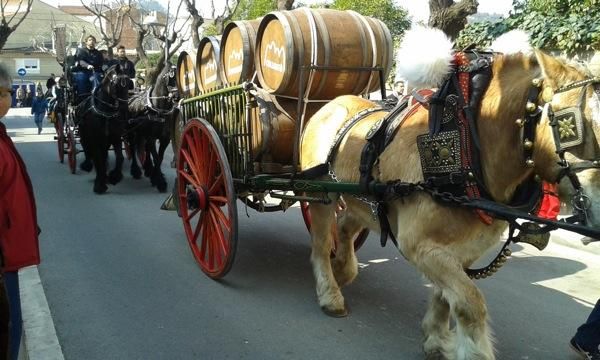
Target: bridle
<point>168,98</point>
<point>116,80</point>
<point>568,132</point>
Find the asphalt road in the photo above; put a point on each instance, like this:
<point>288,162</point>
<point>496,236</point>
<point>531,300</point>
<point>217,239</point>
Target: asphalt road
<point>121,283</point>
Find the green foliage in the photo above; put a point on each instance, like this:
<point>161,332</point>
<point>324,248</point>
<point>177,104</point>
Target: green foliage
<point>570,26</point>
<point>153,61</point>
<point>394,16</point>
<point>253,9</point>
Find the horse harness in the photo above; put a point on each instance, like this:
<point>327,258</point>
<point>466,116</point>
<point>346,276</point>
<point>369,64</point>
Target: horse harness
<point>450,157</point>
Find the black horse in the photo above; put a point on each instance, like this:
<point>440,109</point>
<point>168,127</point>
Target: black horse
<point>151,115</point>
<point>101,118</point>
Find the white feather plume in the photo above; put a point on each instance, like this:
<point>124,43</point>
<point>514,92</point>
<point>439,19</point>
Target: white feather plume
<point>513,42</point>
<point>424,58</point>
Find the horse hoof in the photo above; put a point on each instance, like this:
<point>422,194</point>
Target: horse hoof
<point>137,174</point>
<point>436,355</point>
<point>100,189</point>
<point>86,166</point>
<point>162,186</point>
<point>337,313</point>
<point>115,177</point>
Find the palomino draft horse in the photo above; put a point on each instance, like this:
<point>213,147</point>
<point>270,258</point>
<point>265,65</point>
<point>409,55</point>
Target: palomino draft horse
<point>515,142</point>
<point>102,118</point>
<point>151,115</point>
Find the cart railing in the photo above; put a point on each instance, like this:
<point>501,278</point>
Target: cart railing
<point>225,110</point>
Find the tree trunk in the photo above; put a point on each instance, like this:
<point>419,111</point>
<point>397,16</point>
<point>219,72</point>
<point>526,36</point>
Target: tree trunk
<point>285,4</point>
<point>5,32</point>
<point>451,17</point>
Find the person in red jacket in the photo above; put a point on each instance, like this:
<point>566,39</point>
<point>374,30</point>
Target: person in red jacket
<point>18,226</point>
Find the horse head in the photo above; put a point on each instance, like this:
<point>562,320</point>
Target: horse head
<point>537,106</point>
<point>115,86</point>
<point>572,108</point>
<point>162,97</point>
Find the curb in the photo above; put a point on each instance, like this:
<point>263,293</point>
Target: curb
<point>573,240</point>
<point>39,335</point>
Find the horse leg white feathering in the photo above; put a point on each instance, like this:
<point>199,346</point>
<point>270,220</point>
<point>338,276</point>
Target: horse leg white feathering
<point>513,42</point>
<point>424,58</point>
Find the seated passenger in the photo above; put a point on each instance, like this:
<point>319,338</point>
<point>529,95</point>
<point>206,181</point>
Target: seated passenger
<point>90,61</point>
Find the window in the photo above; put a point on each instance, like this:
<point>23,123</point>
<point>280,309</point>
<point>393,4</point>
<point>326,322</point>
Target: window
<point>32,66</point>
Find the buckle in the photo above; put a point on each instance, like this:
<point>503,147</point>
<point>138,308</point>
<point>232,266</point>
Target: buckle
<point>456,178</point>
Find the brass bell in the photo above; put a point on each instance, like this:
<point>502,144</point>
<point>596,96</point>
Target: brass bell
<point>537,178</point>
<point>536,82</point>
<point>494,269</point>
<point>528,144</point>
<point>477,276</point>
<point>596,163</point>
<point>471,176</point>
<point>529,163</point>
<point>530,106</point>
<point>520,122</point>
<point>507,252</point>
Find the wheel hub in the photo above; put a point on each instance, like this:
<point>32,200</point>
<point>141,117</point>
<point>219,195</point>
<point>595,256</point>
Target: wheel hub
<point>197,198</point>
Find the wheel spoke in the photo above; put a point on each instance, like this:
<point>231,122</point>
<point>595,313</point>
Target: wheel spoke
<point>219,244</point>
<point>188,217</point>
<point>193,168</point>
<point>201,232</point>
<point>220,216</point>
<point>218,199</point>
<point>212,164</point>
<point>190,179</point>
<point>218,182</point>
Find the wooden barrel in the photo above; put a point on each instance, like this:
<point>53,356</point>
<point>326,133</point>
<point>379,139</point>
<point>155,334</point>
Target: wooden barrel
<point>382,47</point>
<point>207,63</point>
<point>186,75</point>
<point>285,44</point>
<point>274,128</point>
<point>237,51</point>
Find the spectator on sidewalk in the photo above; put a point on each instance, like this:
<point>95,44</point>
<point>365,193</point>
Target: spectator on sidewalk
<point>18,229</point>
<point>586,341</point>
<point>39,106</point>
<point>21,96</point>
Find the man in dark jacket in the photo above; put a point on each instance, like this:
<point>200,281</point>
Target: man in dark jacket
<point>90,60</point>
<point>126,65</point>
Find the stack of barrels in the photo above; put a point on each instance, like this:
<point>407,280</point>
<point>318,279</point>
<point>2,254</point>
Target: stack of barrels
<point>277,51</point>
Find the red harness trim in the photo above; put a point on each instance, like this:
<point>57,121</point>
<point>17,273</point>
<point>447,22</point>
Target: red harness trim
<point>472,190</point>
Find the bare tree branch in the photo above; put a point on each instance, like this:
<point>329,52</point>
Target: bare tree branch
<point>5,25</point>
<point>110,20</point>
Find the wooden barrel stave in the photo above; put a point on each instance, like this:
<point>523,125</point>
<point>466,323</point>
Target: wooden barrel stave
<point>237,51</point>
<point>186,75</point>
<point>208,63</point>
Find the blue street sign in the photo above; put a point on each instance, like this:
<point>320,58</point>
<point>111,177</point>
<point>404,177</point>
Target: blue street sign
<point>22,72</point>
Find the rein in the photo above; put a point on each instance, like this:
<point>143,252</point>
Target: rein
<point>114,107</point>
<point>151,106</point>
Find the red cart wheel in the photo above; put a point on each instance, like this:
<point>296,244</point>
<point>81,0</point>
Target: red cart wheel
<point>60,137</point>
<point>72,151</point>
<point>207,200</point>
<point>359,239</point>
